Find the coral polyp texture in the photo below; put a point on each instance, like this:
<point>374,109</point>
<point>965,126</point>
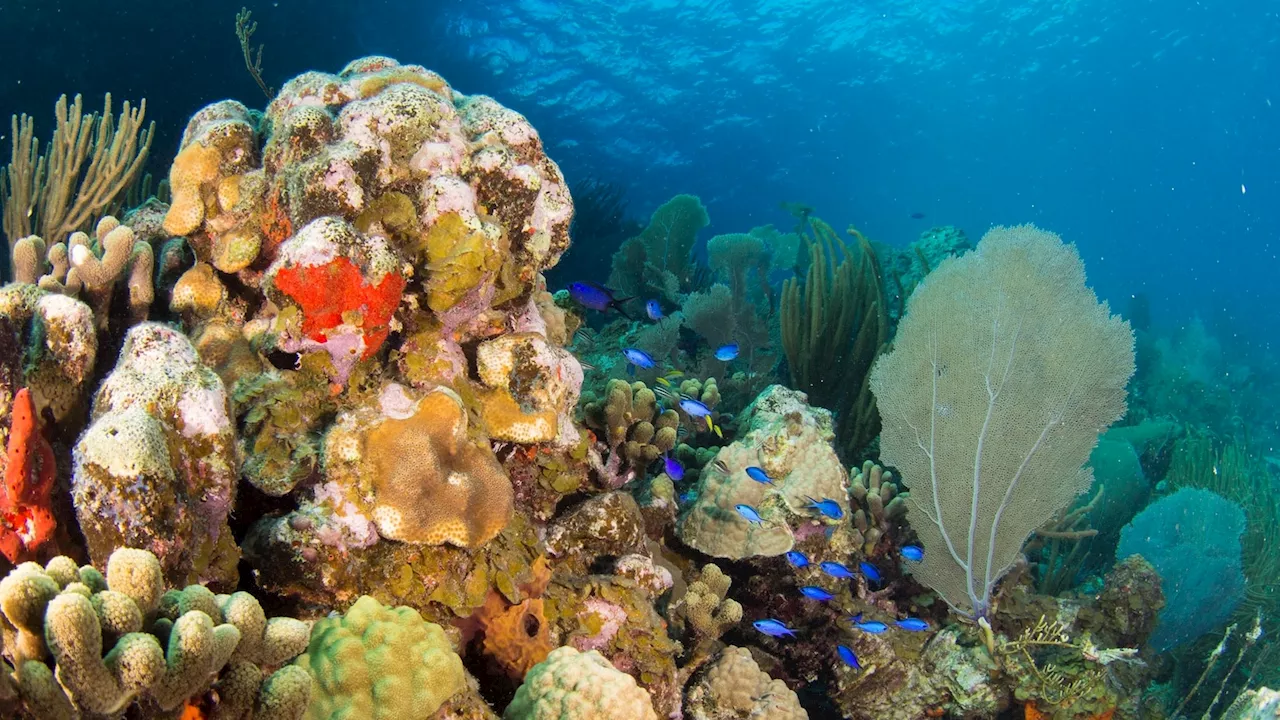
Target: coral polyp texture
<point>570,685</point>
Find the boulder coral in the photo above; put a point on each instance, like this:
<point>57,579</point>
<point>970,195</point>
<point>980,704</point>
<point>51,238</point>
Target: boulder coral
<point>531,389</point>
<point>570,685</point>
<point>453,491</point>
<point>157,467</point>
<point>52,346</point>
<point>791,442</point>
<point>380,663</point>
<point>733,686</point>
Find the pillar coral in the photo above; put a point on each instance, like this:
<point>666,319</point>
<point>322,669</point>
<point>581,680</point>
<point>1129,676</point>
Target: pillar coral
<point>26,520</point>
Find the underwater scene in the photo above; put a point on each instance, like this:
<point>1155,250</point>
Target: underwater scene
<point>641,359</point>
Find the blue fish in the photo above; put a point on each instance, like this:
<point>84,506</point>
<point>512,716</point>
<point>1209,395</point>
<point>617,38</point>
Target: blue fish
<point>912,624</point>
<point>848,657</point>
<point>596,297</point>
<point>815,593</point>
<point>913,552</point>
<point>759,475</point>
<point>653,310</point>
<point>797,559</point>
<point>773,628</point>
<point>749,513</point>
<point>638,358</point>
<point>836,570</point>
<point>875,627</point>
<point>827,507</point>
<point>695,408</point>
<point>725,353</point>
<point>689,496</point>
<point>870,572</point>
<point>674,469</point>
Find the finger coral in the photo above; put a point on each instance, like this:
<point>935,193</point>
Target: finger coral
<point>379,663</point>
<point>454,491</point>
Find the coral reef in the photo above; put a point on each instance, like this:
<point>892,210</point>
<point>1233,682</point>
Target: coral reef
<point>880,507</point>
<point>733,686</point>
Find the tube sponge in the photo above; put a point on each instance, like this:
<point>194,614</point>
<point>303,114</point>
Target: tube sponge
<point>379,663</point>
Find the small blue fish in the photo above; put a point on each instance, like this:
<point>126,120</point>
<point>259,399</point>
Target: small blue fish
<point>596,297</point>
<point>797,559</point>
<point>638,358</point>
<point>913,552</point>
<point>815,593</point>
<point>836,570</point>
<point>695,408</point>
<point>773,628</point>
<point>749,513</point>
<point>674,469</point>
<point>759,475</point>
<point>725,353</point>
<point>827,507</point>
<point>653,310</point>
<point>848,657</point>
<point>870,572</point>
<point>912,624</point>
<point>875,627</point>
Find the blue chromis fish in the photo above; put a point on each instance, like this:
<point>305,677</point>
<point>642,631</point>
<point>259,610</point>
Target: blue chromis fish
<point>596,297</point>
<point>912,624</point>
<point>653,310</point>
<point>914,553</point>
<point>828,507</point>
<point>815,593</point>
<point>695,408</point>
<point>638,358</point>
<point>759,475</point>
<point>673,468</point>
<point>848,657</point>
<point>797,559</point>
<point>836,570</point>
<point>870,571</point>
<point>725,353</point>
<point>875,627</point>
<point>749,513</point>
<point>773,628</point>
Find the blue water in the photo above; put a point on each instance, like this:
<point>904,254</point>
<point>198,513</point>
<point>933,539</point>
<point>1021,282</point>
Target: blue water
<point>1146,132</point>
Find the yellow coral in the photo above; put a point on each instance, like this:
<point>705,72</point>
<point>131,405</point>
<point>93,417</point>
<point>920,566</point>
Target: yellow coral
<point>459,257</point>
<point>194,166</point>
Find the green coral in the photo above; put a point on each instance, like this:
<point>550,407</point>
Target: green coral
<point>380,663</point>
<point>569,685</point>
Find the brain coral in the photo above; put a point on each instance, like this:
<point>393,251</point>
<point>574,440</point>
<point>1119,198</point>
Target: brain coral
<point>792,443</point>
<point>157,467</point>
<point>379,663</point>
<point>570,685</point>
<point>411,464</point>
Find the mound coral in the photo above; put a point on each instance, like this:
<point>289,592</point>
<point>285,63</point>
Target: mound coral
<point>53,347</point>
<point>570,685</point>
<point>791,442</point>
<point>380,663</point>
<point>454,491</point>
<point>733,686</point>
<point>157,467</point>
<point>531,389</point>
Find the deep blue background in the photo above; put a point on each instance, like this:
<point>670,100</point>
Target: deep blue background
<point>1129,128</point>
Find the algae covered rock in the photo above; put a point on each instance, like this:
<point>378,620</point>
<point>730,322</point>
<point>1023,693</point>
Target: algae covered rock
<point>379,663</point>
<point>570,685</point>
<point>157,467</point>
<point>790,441</point>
